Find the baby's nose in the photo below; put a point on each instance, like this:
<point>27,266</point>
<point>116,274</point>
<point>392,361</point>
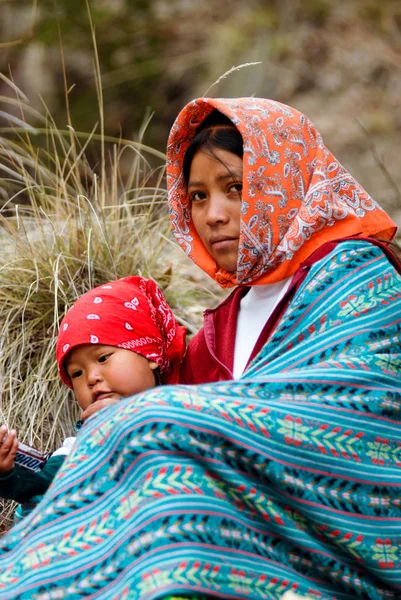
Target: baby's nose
<point>94,374</point>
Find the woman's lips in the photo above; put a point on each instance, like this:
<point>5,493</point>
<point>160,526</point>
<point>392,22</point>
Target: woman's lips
<point>223,243</point>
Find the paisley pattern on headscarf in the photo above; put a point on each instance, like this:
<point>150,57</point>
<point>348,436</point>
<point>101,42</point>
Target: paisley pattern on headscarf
<point>296,195</point>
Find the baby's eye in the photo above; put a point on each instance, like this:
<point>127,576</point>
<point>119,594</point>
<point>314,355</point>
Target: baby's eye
<point>103,358</point>
<point>76,374</point>
<point>197,196</point>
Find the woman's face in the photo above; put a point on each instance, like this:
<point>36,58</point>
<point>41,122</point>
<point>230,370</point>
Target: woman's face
<point>215,187</point>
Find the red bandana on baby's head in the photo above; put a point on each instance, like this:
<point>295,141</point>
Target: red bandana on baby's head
<point>129,313</point>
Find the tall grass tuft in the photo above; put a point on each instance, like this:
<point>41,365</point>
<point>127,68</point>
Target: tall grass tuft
<point>77,210</point>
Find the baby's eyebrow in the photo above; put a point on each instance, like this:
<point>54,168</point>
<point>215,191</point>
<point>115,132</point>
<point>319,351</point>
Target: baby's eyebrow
<point>68,365</point>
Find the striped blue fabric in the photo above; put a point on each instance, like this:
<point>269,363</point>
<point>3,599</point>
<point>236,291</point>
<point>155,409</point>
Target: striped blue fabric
<point>287,479</point>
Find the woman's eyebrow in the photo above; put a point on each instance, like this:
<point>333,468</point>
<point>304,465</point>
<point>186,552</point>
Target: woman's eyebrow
<point>230,174</point>
<point>194,183</point>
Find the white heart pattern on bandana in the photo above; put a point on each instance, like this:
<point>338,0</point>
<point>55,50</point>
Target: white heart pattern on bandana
<point>133,304</point>
<point>94,339</point>
<point>107,287</point>
<point>128,326</point>
<point>65,326</point>
<point>65,347</point>
<point>97,300</point>
<point>91,317</point>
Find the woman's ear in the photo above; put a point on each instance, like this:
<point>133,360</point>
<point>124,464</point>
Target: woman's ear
<point>153,365</point>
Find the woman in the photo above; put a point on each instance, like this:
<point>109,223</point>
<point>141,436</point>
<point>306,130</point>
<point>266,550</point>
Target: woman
<point>286,479</point>
<point>293,197</point>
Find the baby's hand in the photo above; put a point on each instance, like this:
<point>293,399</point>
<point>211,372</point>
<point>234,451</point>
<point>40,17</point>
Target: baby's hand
<point>8,449</point>
<point>93,408</point>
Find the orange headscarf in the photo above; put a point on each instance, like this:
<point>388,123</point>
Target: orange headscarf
<point>296,195</point>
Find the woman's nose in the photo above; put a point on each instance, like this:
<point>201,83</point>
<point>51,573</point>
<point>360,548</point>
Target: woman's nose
<point>217,211</point>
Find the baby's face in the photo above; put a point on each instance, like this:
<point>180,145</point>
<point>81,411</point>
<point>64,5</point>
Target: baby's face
<point>99,372</point>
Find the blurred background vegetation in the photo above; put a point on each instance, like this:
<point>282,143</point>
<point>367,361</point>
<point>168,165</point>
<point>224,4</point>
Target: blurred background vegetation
<point>339,62</point>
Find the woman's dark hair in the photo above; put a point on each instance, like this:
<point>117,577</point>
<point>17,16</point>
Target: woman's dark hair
<point>216,131</point>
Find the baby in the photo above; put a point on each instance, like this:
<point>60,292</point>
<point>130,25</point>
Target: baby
<point>118,339</point>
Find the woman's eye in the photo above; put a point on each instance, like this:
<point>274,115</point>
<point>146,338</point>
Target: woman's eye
<point>236,187</point>
<point>197,196</point>
<point>103,358</point>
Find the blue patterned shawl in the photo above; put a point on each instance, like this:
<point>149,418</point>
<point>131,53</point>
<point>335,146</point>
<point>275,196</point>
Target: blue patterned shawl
<point>289,478</point>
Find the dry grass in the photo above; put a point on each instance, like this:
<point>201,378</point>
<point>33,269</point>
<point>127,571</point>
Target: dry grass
<point>70,222</point>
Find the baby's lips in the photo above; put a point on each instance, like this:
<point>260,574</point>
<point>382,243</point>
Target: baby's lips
<point>101,396</point>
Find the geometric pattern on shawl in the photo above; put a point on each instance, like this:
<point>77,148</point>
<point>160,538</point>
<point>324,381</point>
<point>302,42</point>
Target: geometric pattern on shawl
<point>288,478</point>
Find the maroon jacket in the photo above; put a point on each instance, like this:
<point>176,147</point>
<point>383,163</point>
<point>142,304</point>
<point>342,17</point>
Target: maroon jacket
<point>210,353</point>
